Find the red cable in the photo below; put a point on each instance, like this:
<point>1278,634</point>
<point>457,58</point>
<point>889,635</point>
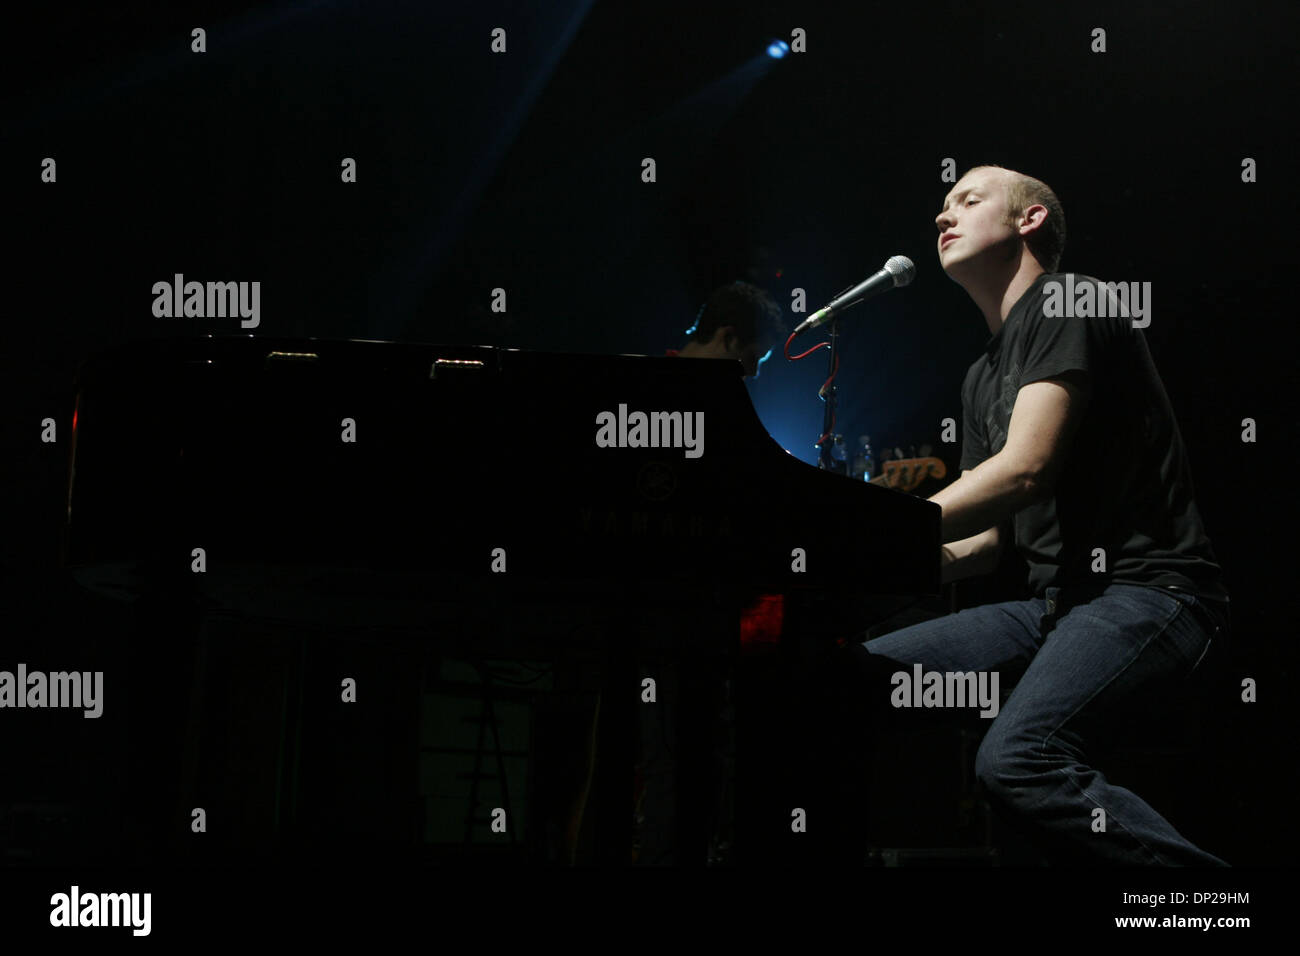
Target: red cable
<point>821,392</point>
<point>795,358</point>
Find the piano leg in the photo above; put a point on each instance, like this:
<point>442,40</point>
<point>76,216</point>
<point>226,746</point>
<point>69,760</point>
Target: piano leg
<point>616,741</point>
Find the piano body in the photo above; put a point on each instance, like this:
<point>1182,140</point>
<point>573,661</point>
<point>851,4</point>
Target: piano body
<point>492,502</point>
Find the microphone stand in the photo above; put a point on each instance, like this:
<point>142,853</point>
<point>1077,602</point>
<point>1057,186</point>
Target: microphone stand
<point>825,460</point>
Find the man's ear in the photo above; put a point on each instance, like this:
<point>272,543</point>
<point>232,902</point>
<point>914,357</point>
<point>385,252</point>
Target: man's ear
<point>1034,217</point>
<point>730,340</point>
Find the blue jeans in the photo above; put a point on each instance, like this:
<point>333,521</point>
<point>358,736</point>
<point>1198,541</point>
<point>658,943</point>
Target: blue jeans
<point>1082,660</point>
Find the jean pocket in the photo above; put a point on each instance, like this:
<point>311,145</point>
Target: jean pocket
<point>1195,646</point>
<point>1209,615</point>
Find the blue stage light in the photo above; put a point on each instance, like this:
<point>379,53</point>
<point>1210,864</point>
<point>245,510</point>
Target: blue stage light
<point>777,49</point>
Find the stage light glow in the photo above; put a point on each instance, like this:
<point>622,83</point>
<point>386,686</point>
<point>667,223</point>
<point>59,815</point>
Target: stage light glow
<point>777,49</point>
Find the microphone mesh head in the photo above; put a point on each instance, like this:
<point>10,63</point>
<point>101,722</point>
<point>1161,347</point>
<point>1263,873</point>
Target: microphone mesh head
<point>902,269</point>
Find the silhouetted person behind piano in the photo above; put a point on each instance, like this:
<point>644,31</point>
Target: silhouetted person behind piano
<point>1072,452</point>
<point>738,321</point>
<point>743,322</point>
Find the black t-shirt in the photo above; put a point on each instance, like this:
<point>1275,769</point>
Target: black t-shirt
<point>1125,486</point>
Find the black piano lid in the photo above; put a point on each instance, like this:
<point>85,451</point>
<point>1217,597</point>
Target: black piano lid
<point>235,445</point>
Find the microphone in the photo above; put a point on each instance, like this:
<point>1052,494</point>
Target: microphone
<point>898,271</point>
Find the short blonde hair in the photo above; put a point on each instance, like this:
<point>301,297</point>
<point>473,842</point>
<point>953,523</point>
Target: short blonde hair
<point>1047,242</point>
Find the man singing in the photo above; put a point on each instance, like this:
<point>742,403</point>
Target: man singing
<point>1072,454</point>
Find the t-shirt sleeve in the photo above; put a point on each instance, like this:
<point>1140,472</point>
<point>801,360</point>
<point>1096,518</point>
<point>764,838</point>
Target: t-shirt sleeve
<point>974,444</point>
<point>1054,345</point>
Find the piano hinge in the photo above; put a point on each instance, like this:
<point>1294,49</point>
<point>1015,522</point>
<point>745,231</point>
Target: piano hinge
<point>454,365</point>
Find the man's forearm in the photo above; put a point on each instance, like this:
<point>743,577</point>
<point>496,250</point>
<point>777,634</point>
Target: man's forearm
<point>987,495</point>
<point>968,557</point>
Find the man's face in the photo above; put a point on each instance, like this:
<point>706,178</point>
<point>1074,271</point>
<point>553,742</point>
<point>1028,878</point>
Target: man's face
<point>751,356</point>
<point>974,224</point>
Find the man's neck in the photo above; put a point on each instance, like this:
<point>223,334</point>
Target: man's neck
<point>996,294</point>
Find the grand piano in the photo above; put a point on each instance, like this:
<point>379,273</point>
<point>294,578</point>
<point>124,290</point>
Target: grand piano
<point>500,503</point>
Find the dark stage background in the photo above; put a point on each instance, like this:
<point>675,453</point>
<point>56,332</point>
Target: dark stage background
<point>522,171</point>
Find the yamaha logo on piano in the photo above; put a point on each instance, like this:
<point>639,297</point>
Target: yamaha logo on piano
<point>656,481</point>
<point>609,522</point>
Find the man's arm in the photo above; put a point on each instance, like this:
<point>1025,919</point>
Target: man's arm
<point>978,554</point>
<point>1043,422</point>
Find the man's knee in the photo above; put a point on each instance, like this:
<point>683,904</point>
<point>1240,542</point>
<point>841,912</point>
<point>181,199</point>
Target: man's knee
<point>999,767</point>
